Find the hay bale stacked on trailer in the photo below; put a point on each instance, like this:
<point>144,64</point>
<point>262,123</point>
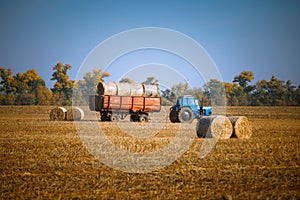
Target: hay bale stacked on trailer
<point>127,89</point>
<point>115,101</point>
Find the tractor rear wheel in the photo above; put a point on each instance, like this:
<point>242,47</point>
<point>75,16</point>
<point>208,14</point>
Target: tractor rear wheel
<point>186,115</point>
<point>174,116</point>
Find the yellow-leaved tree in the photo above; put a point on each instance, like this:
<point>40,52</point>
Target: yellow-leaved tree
<point>63,86</point>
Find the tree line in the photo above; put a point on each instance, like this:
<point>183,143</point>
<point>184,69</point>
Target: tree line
<point>240,92</point>
<point>30,89</point>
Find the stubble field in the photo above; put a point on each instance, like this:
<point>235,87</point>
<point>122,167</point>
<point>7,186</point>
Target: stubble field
<point>43,159</point>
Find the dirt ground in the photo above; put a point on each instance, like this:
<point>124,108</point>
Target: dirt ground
<point>43,159</point>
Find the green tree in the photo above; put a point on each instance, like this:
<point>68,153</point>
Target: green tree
<point>126,80</point>
<point>215,91</point>
<point>297,96</point>
<point>150,81</point>
<point>63,85</point>
<point>25,99</point>
<point>180,89</point>
<point>275,91</point>
<point>88,86</point>
<point>168,97</point>
<point>8,82</point>
<point>90,81</point>
<point>260,95</point>
<point>240,95</point>
<point>198,93</point>
<point>289,93</point>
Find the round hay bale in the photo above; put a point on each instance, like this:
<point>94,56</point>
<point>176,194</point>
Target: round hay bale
<point>75,114</point>
<point>58,114</point>
<point>137,90</point>
<point>214,127</point>
<point>151,91</point>
<point>124,89</point>
<point>109,88</point>
<point>242,128</point>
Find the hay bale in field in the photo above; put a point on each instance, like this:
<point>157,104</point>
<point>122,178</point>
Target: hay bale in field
<point>58,114</point>
<point>241,127</point>
<point>75,114</point>
<point>109,88</point>
<point>217,126</point>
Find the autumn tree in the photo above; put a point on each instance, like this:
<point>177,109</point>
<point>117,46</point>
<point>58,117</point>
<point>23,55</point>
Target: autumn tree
<point>63,86</point>
<point>27,82</point>
<point>20,89</point>
<point>244,78</point>
<point>230,90</point>
<point>43,96</point>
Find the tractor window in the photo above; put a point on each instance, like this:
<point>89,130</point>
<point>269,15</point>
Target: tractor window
<point>191,101</point>
<point>187,101</point>
<point>184,101</point>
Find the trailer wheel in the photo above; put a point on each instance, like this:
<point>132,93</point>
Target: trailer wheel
<point>174,116</point>
<point>104,118</point>
<point>122,116</point>
<point>144,118</point>
<point>186,115</point>
<point>134,118</point>
<point>114,117</point>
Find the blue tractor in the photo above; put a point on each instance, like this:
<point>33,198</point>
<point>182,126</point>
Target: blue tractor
<point>186,109</point>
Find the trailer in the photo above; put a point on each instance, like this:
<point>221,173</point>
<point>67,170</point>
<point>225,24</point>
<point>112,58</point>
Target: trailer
<point>115,108</point>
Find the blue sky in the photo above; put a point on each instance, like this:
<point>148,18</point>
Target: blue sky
<point>261,36</point>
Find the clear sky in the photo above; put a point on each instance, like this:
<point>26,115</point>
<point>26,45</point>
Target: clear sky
<point>262,36</point>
